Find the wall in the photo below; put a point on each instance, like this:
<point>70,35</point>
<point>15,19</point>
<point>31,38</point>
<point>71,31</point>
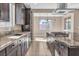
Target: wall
<point>56,27</point>
<point>76,25</point>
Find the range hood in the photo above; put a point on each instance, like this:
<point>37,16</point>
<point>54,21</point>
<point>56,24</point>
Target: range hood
<point>62,9</point>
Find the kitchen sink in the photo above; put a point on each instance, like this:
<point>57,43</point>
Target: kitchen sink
<point>17,34</point>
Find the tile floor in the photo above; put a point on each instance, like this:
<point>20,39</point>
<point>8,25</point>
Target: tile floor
<point>38,48</point>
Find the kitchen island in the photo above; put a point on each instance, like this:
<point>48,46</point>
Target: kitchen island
<point>62,46</point>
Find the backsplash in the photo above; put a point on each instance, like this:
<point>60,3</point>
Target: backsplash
<point>6,30</point>
<point>16,28</point>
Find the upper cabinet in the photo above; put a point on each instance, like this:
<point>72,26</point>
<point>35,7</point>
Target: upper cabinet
<point>27,16</point>
<point>22,14</point>
<point>19,14</point>
<point>4,11</point>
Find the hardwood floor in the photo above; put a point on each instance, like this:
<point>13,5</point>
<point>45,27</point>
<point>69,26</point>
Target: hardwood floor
<point>38,48</point>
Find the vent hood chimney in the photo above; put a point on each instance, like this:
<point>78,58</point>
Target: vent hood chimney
<point>62,9</point>
<point>62,6</point>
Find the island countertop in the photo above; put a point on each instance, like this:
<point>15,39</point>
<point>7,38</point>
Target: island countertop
<point>68,43</point>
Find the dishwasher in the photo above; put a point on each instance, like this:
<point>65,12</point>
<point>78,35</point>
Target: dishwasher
<point>21,47</point>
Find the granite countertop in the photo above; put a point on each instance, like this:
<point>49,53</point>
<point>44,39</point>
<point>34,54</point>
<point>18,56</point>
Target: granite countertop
<point>68,42</point>
<point>65,40</point>
<point>6,40</point>
<point>17,37</point>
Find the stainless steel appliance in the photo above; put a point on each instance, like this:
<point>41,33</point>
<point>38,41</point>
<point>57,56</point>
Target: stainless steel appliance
<point>25,28</point>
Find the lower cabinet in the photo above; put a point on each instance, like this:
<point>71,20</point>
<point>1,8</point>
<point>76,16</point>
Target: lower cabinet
<point>62,49</point>
<point>2,52</point>
<point>18,48</point>
<point>25,47</point>
<point>22,46</point>
<point>51,48</point>
<point>13,52</point>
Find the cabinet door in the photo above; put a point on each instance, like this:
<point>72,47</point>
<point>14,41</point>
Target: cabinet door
<point>27,16</point>
<point>28,39</point>
<point>13,52</point>
<point>2,53</point>
<point>19,14</point>
<point>22,46</point>
<point>10,48</point>
<point>25,47</point>
<point>25,44</point>
<point>19,50</point>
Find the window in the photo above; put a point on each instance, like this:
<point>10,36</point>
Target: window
<point>43,24</point>
<point>4,11</point>
<point>67,23</point>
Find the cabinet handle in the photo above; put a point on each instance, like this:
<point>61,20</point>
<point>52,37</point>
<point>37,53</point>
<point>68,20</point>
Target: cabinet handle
<point>13,45</point>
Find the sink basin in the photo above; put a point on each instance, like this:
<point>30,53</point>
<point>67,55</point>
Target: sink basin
<point>17,34</point>
<point>14,37</point>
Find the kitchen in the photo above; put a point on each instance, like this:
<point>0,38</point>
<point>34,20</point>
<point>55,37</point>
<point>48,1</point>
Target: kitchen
<point>39,29</point>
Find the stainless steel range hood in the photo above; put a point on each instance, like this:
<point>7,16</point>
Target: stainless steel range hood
<point>62,9</point>
<point>62,6</point>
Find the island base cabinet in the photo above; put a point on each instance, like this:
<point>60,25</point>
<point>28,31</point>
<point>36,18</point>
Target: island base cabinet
<point>73,51</point>
<point>62,49</point>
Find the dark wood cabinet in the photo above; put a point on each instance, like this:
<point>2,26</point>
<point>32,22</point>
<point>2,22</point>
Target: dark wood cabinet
<point>73,51</point>
<point>65,50</point>
<point>27,16</point>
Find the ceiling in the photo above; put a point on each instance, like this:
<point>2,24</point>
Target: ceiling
<point>42,10</point>
<point>50,5</point>
<point>42,5</point>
